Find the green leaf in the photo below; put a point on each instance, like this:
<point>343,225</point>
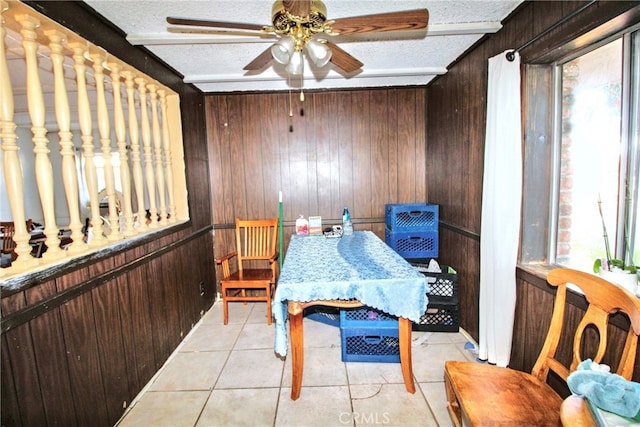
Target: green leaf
<point>596,265</point>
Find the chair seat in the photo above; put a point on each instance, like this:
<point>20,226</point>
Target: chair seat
<point>248,276</point>
<point>492,396</point>
<point>240,288</point>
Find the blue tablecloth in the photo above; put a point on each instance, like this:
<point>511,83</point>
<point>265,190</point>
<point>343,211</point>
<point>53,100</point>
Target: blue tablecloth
<point>360,266</point>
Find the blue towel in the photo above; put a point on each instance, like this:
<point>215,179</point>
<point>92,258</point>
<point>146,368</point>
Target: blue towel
<point>606,390</point>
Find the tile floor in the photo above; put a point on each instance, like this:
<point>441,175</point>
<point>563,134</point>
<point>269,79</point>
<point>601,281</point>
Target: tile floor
<point>230,376</point>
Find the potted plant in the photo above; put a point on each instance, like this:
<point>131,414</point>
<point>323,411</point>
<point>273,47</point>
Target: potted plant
<point>613,269</point>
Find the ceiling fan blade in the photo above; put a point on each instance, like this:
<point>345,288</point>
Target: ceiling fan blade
<point>343,60</point>
<point>260,61</point>
<point>300,8</point>
<point>214,24</point>
<point>219,32</point>
<point>392,21</point>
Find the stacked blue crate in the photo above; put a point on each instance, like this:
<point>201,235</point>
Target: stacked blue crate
<point>411,229</point>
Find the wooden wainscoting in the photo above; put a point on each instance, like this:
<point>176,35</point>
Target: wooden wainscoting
<point>78,348</point>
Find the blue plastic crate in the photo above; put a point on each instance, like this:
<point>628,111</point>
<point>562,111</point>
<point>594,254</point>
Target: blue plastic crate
<point>408,245</point>
<point>376,344</point>
<point>366,317</point>
<point>411,217</point>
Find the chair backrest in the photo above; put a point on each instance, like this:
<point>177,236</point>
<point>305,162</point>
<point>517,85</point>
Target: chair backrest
<point>8,231</point>
<point>604,299</point>
<point>256,240</point>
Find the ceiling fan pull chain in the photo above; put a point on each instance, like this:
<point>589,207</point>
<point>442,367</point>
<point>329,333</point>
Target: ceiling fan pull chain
<point>290,105</point>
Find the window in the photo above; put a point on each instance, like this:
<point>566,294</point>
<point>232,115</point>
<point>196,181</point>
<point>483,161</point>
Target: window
<point>595,175</point>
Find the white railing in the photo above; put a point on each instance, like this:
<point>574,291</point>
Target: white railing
<point>101,106</point>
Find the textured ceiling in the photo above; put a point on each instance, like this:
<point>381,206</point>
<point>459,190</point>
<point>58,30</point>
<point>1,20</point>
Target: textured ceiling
<point>214,62</point>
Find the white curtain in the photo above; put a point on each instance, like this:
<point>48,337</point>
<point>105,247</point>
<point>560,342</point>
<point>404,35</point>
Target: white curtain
<point>501,201</point>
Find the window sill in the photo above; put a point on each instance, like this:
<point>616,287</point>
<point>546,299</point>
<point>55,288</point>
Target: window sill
<point>535,274</point>
<point>538,270</point>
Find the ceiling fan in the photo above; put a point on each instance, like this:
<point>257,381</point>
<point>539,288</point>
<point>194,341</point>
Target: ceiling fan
<point>300,25</point>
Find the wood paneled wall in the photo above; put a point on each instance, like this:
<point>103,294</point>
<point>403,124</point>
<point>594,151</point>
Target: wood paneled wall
<point>456,106</point>
<point>79,344</point>
<point>361,149</point>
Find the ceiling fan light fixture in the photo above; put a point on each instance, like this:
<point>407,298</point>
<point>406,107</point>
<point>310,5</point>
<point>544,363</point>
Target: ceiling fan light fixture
<point>295,67</point>
<point>319,53</point>
<point>282,50</point>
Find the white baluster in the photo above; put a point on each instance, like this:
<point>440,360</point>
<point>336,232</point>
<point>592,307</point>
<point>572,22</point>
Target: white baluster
<point>148,160</point>
<point>121,143</point>
<point>168,165</point>
<point>98,58</point>
<point>43,169</point>
<point>63,117</point>
<point>86,127</point>
<point>157,145</point>
<point>11,163</point>
<point>136,160</point>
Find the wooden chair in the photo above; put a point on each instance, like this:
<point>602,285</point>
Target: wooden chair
<point>256,243</point>
<point>486,395</point>
<point>8,244</point>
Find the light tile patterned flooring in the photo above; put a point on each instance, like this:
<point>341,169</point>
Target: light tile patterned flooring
<point>230,376</point>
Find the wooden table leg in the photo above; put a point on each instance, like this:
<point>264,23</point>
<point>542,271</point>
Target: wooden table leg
<point>296,332</point>
<point>404,338</point>
<point>297,348</point>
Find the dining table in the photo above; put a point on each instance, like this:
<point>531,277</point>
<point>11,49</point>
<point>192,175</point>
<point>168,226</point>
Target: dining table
<point>348,271</point>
